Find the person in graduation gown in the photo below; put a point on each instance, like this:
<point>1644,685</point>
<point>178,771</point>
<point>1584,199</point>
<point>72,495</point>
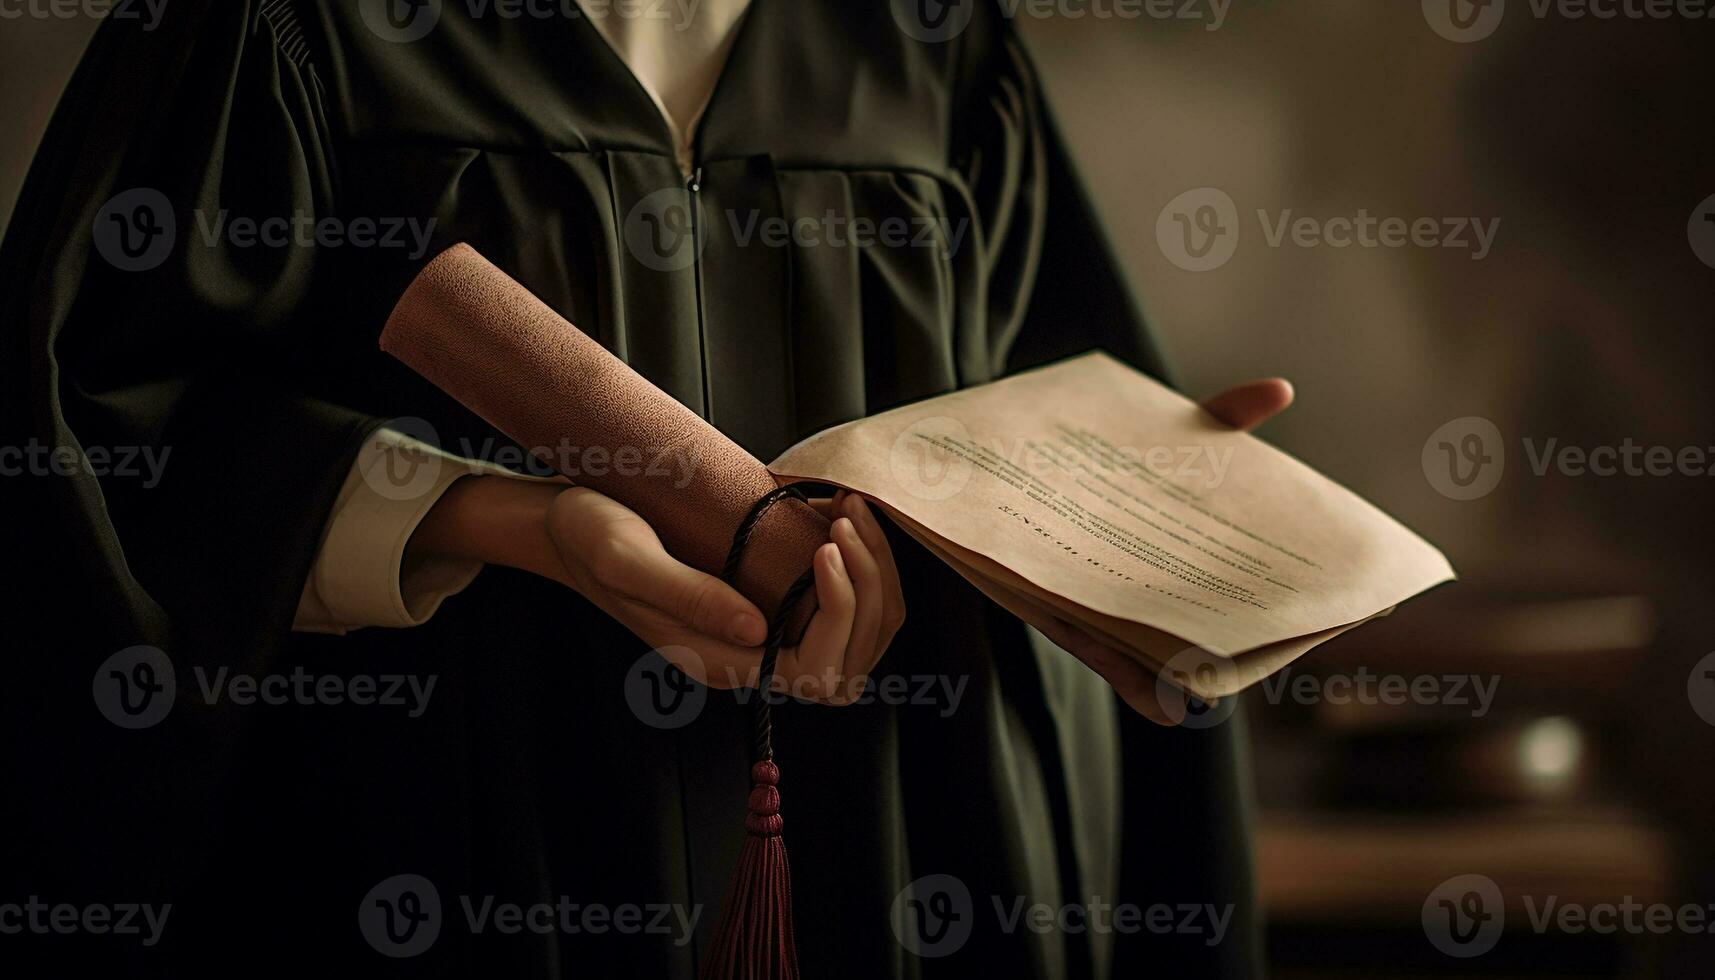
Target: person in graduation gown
<point>249,370</point>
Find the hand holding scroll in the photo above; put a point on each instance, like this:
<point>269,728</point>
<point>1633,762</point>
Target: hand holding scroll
<point>705,628</point>
<point>601,549</point>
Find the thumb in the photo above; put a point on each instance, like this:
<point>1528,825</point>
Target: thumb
<point>1249,405</point>
<point>701,601</point>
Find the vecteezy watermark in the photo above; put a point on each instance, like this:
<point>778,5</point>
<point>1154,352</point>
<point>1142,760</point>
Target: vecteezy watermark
<point>1363,230</point>
<point>403,916</point>
<point>660,692</point>
<point>400,21</point>
<point>404,21</point>
<point>1473,691</point>
<point>663,229</point>
<point>935,915</point>
<point>1464,458</point>
<point>1183,676</point>
<point>137,687</point>
<point>1194,670</point>
<point>669,229</point>
<point>674,463</point>
<point>146,12</point>
<point>942,692</point>
<point>931,458</point>
<point>1629,458</point>
<point>1465,21</point>
<point>1700,688</point>
<point>1701,231</point>
<point>298,686</point>
<point>662,689</point>
<point>935,21</point>
<point>681,13</point>
<point>401,462</point>
<point>35,458</point>
<point>42,918</point>
<point>304,230</point>
<point>1465,916</point>
<point>830,229</point>
<point>404,463</point>
<point>136,229</point>
<point>935,457</point>
<point>1199,231</point>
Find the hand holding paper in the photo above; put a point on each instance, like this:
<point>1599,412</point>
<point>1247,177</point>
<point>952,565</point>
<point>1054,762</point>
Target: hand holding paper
<point>1085,487</point>
<point>1243,407</point>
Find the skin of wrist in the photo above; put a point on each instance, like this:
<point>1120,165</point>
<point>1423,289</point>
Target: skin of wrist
<point>494,520</point>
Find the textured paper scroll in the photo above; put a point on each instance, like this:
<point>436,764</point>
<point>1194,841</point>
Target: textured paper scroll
<point>483,338</point>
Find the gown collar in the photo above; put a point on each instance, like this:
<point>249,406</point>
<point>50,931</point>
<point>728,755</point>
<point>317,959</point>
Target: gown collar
<point>678,65</point>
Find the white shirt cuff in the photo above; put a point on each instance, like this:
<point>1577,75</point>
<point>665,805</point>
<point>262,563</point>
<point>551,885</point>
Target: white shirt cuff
<point>356,580</point>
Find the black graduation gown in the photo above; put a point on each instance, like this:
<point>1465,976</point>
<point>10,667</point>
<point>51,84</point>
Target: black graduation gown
<point>528,779</point>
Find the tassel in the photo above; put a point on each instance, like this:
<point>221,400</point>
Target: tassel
<point>754,940</point>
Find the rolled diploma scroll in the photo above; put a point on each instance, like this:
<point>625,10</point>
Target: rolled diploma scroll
<point>480,336</point>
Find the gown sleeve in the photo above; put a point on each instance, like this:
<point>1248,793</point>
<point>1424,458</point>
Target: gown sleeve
<point>138,331</point>
<point>1055,287</point>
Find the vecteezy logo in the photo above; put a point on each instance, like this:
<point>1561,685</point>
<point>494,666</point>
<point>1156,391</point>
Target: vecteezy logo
<point>661,694</point>
<point>400,21</point>
<point>933,21</point>
<point>135,687</point>
<point>405,472</point>
<point>933,916</point>
<point>401,917</point>
<point>1464,21</point>
<point>1701,231</point>
<point>930,459</point>
<point>1464,916</point>
<point>1187,672</point>
<point>1199,230</point>
<point>135,230</point>
<point>1464,459</point>
<point>661,230</point>
<point>1700,688</point>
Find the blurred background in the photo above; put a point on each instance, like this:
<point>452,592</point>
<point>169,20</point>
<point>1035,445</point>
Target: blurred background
<point>1586,776</point>
<point>1584,600</point>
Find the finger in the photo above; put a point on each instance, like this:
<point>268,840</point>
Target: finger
<point>696,599</point>
<point>828,507</point>
<point>1249,405</point>
<point>861,649</point>
<point>818,656</point>
<point>893,606</point>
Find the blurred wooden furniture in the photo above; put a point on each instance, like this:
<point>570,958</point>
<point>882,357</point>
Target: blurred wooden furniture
<point>1368,806</point>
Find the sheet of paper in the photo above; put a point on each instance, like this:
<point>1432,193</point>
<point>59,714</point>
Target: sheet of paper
<point>1094,483</point>
<point>1207,675</point>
